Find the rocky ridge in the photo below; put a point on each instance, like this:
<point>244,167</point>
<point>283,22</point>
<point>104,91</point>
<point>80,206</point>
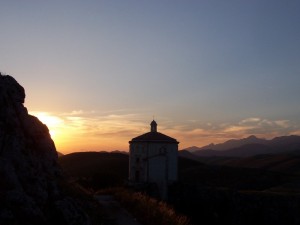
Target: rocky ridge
<point>29,190</point>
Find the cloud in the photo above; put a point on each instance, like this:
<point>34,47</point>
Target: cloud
<point>296,132</point>
<point>283,123</point>
<point>250,120</point>
<point>209,132</point>
<point>100,124</point>
<point>76,112</point>
<point>92,130</point>
<point>236,128</point>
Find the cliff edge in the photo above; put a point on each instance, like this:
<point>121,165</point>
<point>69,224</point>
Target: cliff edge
<point>29,171</point>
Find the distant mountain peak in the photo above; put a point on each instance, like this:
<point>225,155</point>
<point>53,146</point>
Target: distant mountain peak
<point>250,146</point>
<point>192,149</point>
<point>229,144</point>
<point>252,137</point>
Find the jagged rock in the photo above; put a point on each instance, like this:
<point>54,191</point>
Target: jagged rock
<point>28,164</point>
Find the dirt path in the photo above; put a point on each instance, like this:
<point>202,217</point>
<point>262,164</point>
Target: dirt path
<point>115,211</point>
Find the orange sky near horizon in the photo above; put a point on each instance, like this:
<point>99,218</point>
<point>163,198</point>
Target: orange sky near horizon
<point>90,131</point>
<point>95,72</point>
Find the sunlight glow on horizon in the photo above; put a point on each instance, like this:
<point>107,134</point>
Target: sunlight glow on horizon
<point>53,123</point>
<point>91,131</point>
<point>95,72</point>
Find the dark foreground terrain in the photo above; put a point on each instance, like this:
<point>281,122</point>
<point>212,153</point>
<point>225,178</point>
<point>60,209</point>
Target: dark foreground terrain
<point>207,193</point>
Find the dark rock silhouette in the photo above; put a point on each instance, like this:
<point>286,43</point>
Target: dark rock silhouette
<point>29,191</point>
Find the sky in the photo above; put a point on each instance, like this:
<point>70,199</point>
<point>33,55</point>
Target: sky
<point>98,72</point>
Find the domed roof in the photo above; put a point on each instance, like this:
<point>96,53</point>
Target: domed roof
<point>154,136</point>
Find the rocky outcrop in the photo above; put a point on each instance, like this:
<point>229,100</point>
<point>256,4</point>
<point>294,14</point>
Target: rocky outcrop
<point>29,191</point>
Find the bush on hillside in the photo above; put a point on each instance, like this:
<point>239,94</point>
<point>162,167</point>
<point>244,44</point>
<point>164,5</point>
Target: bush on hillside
<point>148,210</point>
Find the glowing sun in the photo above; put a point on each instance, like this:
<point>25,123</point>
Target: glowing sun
<point>53,122</point>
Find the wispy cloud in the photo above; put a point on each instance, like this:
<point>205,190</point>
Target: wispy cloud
<point>91,130</point>
<point>215,133</point>
<point>250,120</point>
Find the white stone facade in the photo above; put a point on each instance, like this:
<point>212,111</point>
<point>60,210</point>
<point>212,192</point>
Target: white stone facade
<point>153,158</point>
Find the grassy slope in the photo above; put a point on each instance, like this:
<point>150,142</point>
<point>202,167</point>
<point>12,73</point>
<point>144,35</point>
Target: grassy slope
<point>96,169</point>
<point>208,194</point>
<point>100,170</point>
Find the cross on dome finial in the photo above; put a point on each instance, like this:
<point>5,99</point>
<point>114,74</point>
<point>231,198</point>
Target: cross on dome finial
<point>153,126</point>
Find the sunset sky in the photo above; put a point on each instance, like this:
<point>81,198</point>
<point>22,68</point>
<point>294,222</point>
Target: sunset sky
<point>96,72</point>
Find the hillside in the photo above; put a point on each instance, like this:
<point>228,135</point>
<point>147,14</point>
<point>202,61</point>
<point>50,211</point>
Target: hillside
<point>249,147</point>
<point>284,163</point>
<point>102,169</point>
<point>59,154</point>
<point>233,143</point>
<point>187,155</point>
<point>204,191</point>
<point>96,169</point>
<point>262,189</point>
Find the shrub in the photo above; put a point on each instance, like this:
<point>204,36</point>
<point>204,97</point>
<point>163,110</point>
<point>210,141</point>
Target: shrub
<point>148,210</point>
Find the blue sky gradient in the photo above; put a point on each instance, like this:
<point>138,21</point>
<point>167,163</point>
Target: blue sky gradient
<point>196,65</point>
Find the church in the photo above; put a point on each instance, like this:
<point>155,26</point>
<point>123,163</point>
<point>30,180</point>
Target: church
<point>153,159</point>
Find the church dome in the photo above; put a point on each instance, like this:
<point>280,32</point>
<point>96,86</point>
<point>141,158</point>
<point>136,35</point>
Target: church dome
<point>154,136</point>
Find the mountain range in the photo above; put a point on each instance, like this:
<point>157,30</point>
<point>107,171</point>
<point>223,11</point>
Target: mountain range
<point>249,146</point>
